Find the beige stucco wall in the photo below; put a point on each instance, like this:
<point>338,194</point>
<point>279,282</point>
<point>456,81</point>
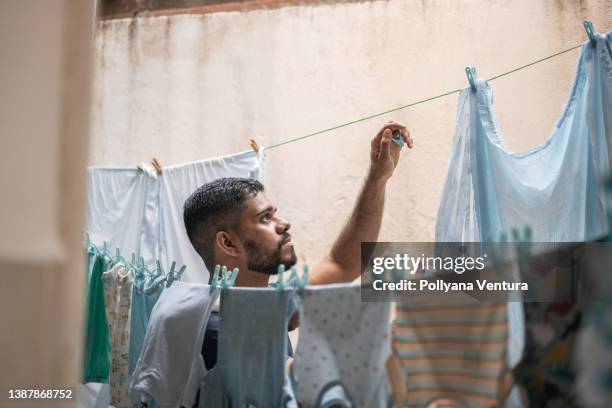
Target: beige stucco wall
<point>191,87</point>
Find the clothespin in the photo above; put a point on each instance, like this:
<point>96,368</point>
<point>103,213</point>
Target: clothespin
<point>171,277</point>
<point>215,279</point>
<point>397,138</point>
<point>588,27</point>
<point>302,283</point>
<point>133,259</point>
<point>158,270</point>
<point>118,256</point>
<point>255,146</point>
<point>229,278</point>
<point>179,274</point>
<point>224,277</point>
<point>156,165</point>
<point>280,284</point>
<point>471,74</point>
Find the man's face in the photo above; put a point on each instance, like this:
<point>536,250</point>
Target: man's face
<point>265,236</point>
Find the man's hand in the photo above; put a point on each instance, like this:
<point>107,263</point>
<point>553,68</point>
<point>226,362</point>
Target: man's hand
<point>384,154</point>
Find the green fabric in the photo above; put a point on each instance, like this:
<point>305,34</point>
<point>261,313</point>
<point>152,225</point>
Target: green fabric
<point>97,345</point>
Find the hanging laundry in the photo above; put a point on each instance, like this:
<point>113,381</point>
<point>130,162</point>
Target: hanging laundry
<point>556,188</point>
<point>452,348</point>
<point>142,212</point>
<point>547,371</point>
<point>170,368</point>
<point>97,349</point>
<point>118,293</point>
<point>343,348</point>
<point>252,351</point>
<point>145,292</point>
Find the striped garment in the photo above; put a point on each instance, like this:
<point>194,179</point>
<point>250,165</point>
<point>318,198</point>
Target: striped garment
<point>452,352</point>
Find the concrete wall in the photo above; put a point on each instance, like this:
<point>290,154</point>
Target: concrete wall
<point>182,88</point>
<point>45,77</point>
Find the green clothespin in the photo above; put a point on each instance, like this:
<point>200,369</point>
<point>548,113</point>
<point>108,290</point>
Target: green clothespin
<point>224,277</point>
<point>280,284</point>
<point>471,74</point>
<point>302,283</point>
<point>179,274</point>
<point>118,257</point>
<point>215,279</point>
<point>171,277</point>
<point>588,27</point>
<point>232,278</point>
<point>397,138</point>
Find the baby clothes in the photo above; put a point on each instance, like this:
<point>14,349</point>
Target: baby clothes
<point>118,291</point>
<point>452,347</point>
<point>252,350</point>
<point>343,347</point>
<point>170,367</point>
<point>97,348</point>
<point>144,296</point>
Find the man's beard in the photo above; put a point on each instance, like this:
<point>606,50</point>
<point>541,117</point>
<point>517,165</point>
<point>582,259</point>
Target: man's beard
<point>259,261</point>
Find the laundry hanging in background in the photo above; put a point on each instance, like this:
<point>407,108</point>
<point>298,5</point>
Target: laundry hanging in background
<point>145,292</point>
<point>555,188</point>
<point>97,349</point>
<point>142,212</point>
<point>118,297</point>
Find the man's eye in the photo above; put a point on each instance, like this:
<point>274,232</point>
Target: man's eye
<point>266,218</point>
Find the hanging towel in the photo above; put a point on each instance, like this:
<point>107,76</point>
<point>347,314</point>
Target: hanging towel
<point>556,188</point>
<point>142,212</point>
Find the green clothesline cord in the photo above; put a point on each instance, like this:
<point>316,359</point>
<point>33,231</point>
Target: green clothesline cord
<point>414,103</point>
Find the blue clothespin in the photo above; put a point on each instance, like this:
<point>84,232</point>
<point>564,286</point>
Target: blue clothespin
<point>215,279</point>
<point>302,283</point>
<point>179,274</point>
<point>232,278</point>
<point>280,284</point>
<point>588,27</point>
<point>471,74</point>
<point>397,138</point>
<point>171,275</point>
<point>224,277</point>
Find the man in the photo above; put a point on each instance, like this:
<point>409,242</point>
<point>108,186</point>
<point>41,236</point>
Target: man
<point>232,222</point>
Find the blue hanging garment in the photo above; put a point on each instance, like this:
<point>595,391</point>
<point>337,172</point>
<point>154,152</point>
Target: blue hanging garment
<point>556,188</point>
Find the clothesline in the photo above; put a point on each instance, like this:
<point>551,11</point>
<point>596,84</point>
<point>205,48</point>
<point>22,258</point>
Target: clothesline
<point>414,103</point>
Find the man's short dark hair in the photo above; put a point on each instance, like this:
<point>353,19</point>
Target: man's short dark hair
<point>213,207</point>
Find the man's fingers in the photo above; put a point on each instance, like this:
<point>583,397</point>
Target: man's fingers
<point>407,138</point>
<point>385,144</point>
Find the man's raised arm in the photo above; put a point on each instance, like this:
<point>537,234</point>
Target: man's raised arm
<point>343,264</point>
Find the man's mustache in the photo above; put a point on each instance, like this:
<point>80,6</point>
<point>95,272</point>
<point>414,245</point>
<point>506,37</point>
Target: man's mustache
<point>284,239</point>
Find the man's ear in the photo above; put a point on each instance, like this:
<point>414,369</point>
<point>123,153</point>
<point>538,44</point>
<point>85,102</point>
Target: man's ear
<point>225,244</point>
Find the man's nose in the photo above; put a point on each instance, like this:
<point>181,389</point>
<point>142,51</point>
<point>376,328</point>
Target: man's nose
<point>282,226</point>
